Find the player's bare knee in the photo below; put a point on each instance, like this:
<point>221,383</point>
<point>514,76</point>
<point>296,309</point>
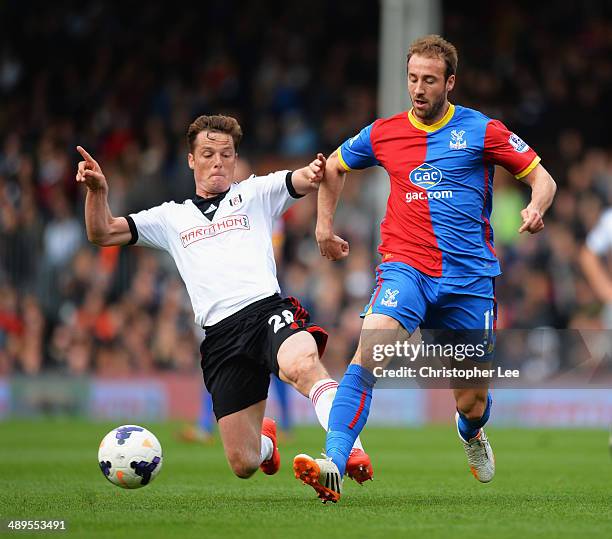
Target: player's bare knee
<point>472,407</point>
<point>379,332</point>
<point>243,461</point>
<point>242,466</point>
<point>243,472</point>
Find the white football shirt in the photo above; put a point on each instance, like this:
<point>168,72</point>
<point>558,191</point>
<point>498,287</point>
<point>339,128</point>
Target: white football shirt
<point>227,263</point>
<point>599,239</point>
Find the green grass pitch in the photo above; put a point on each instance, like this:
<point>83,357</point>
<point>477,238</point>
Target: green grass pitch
<point>549,483</point>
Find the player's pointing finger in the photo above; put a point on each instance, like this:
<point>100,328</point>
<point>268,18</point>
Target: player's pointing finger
<point>85,154</point>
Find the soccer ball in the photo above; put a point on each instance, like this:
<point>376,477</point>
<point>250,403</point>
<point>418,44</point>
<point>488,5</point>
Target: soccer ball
<point>130,456</point>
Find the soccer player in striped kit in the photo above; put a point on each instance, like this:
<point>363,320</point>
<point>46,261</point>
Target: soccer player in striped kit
<point>221,243</point>
<point>438,259</point>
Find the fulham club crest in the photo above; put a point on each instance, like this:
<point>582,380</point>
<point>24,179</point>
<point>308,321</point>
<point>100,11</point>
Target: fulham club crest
<point>236,201</point>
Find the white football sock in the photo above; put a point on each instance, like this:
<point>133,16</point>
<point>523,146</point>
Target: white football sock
<point>322,396</point>
<point>267,448</point>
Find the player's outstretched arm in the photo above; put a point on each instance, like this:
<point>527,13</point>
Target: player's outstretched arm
<point>306,180</point>
<point>543,189</point>
<point>102,228</point>
<point>331,246</point>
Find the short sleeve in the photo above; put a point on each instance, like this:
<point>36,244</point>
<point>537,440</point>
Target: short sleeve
<point>357,152</point>
<point>503,147</point>
<point>275,191</point>
<point>150,227</point>
<point>599,239</point>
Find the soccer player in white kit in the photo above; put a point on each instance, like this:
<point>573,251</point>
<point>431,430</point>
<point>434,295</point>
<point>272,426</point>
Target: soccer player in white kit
<point>595,261</point>
<point>221,242</point>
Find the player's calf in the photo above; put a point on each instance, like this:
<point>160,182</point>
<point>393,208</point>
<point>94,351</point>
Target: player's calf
<point>246,447</point>
<point>474,409</point>
<point>472,403</point>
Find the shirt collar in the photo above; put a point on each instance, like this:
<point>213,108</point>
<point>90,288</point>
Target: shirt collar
<point>203,204</point>
<point>434,127</point>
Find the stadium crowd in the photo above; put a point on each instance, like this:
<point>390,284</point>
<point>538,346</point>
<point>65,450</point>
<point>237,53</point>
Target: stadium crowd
<point>128,98</point>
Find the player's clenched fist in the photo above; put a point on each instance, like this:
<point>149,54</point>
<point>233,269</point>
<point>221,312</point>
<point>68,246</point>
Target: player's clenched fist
<point>89,172</point>
<point>532,220</point>
<point>316,170</point>
<point>331,246</point>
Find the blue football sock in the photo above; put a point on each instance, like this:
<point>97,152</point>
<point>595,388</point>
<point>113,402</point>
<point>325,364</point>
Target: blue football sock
<point>349,413</point>
<point>206,419</point>
<point>283,402</point>
<point>468,429</point>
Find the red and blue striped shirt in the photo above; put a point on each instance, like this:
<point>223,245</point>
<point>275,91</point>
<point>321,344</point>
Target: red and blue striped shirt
<point>439,209</point>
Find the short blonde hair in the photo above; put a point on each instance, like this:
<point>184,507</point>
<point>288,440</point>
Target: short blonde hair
<point>435,46</point>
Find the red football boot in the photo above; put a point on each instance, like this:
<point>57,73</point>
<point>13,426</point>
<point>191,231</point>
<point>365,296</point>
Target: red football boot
<point>272,465</point>
<point>358,466</point>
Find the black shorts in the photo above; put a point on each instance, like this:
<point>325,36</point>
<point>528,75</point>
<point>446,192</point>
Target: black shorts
<point>239,353</point>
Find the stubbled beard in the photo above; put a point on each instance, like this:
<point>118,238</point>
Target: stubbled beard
<point>435,109</point>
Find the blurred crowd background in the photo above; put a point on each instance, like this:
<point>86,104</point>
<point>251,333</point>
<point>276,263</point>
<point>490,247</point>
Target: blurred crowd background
<point>301,77</point>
